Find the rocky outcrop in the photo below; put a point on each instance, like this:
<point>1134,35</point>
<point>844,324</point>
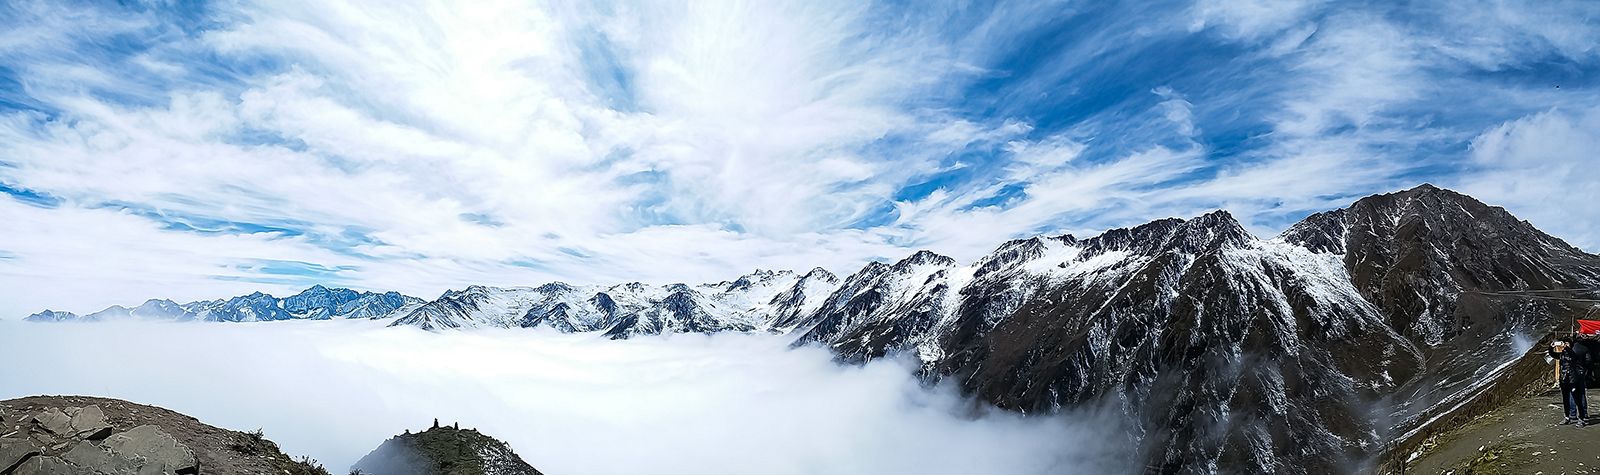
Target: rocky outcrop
<point>79,440</point>
<point>443,450</point>
<point>82,435</point>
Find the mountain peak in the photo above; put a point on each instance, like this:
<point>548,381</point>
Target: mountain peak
<point>925,257</point>
<point>51,316</point>
<point>1009,254</point>
<point>1212,229</point>
<point>1429,192</point>
<point>474,289</point>
<point>1218,216</point>
<point>819,272</point>
<point>1320,232</point>
<point>555,287</point>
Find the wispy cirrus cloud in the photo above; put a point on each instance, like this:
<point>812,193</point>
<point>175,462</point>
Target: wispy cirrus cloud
<point>425,145</point>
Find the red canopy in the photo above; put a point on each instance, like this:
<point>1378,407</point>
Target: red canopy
<point>1589,327</point>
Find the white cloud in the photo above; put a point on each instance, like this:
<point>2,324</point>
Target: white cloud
<point>1505,34</point>
<point>1178,110</point>
<point>1122,191</point>
<point>566,403</point>
<point>487,142</point>
<point>1250,19</point>
<point>1542,168</point>
<point>397,120</point>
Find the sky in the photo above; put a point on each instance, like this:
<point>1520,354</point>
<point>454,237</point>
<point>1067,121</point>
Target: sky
<point>566,403</point>
<point>197,150</point>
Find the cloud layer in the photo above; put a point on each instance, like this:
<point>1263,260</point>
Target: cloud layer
<point>566,403</point>
<point>211,149</point>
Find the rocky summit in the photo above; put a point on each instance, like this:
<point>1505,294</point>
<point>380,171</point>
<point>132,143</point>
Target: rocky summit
<point>68,435</point>
<point>443,450</point>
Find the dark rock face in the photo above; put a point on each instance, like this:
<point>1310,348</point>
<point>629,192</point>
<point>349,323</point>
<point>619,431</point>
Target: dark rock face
<point>1459,279</point>
<point>77,435</point>
<point>603,302</point>
<point>1413,253</point>
<point>14,452</point>
<point>1227,353</point>
<point>443,451</point>
<point>319,301</point>
<point>883,308</point>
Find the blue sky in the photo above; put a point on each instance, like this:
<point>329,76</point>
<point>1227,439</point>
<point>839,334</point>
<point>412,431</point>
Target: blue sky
<point>198,149</point>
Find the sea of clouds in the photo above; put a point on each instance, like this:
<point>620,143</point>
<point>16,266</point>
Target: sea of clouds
<point>568,404</point>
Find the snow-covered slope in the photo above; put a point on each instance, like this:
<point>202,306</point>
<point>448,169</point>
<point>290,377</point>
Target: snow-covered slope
<point>791,307</point>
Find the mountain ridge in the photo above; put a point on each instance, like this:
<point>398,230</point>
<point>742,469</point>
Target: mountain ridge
<point>314,303</point>
<point>1300,353</point>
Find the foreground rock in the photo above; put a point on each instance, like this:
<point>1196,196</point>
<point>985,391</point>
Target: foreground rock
<point>78,435</point>
<point>443,451</point>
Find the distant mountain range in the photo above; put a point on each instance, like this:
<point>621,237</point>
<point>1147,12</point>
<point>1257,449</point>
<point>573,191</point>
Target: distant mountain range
<point>315,303</point>
<point>1306,353</point>
<point>761,301</point>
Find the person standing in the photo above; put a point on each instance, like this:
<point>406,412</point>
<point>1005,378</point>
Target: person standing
<point>1573,361</point>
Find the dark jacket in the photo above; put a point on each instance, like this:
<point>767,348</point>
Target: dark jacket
<point>1575,362</point>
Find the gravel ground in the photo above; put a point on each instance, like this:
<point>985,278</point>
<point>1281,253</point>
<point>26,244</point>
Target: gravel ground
<point>1522,438</point>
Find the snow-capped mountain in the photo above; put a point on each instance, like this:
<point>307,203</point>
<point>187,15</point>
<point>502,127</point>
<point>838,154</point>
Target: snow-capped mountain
<point>791,307</point>
<point>748,303</point>
<point>1301,354</point>
<point>315,303</point>
<point>1216,325</point>
<point>52,316</point>
<point>1311,352</point>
